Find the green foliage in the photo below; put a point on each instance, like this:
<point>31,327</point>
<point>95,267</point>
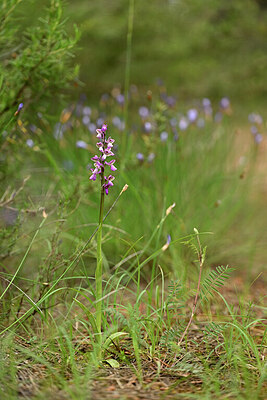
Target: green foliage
<point>215,280</point>
<point>197,47</point>
<point>35,60</point>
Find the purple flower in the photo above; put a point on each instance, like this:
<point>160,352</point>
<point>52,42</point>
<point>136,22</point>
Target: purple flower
<point>108,183</point>
<point>104,146</point>
<point>111,165</point>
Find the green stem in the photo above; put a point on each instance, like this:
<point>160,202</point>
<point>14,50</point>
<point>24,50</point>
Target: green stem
<point>98,272</point>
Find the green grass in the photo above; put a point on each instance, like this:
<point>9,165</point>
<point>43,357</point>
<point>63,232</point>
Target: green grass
<point>48,308</point>
<point>180,299</point>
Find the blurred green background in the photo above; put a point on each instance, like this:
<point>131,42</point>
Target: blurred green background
<point>199,48</point>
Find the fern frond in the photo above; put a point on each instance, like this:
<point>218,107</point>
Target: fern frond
<point>214,281</point>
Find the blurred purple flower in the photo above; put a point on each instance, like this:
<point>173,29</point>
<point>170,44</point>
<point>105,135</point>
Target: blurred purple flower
<point>29,142</point>
<point>192,115</point>
<point>164,136</point>
<point>148,126</point>
<point>255,118</point>
<point>170,101</point>
<point>80,144</point>
<point>140,156</point>
<point>92,127</point>
<point>258,138</point>
<point>173,122</point>
<point>224,103</point>
<point>143,112</point>
<point>183,124</point>
<point>99,122</point>
<point>120,99</point>
<point>253,130</point>
<point>118,123</point>
<point>87,110</point>
<point>86,119</point>
<point>206,102</point>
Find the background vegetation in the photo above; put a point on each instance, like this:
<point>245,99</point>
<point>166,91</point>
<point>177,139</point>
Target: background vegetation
<point>179,140</point>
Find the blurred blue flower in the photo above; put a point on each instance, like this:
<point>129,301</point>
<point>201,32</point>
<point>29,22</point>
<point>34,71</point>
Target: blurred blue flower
<point>99,122</point>
<point>80,144</point>
<point>164,136</point>
<point>192,115</point>
<point>86,119</point>
<point>258,138</point>
<point>92,127</point>
<point>253,130</point>
<point>255,118</point>
<point>118,123</point>
<point>143,112</point>
<point>87,110</point>
<point>140,156</point>
<point>183,124</point>
<point>173,122</point>
<point>170,101</point>
<point>225,103</point>
<point>120,99</point>
<point>206,102</point>
<point>29,142</point>
<point>148,126</point>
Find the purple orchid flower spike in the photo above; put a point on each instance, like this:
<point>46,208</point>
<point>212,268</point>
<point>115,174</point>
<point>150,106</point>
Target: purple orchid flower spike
<point>105,148</point>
